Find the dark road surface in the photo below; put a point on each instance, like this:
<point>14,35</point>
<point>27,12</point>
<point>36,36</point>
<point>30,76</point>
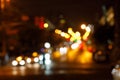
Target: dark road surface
<point>57,72</point>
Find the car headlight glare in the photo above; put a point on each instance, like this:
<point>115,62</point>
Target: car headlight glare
<point>28,60</point>
<point>22,62</point>
<point>14,63</point>
<point>36,59</point>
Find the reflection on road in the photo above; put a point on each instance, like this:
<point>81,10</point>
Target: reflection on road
<point>26,70</point>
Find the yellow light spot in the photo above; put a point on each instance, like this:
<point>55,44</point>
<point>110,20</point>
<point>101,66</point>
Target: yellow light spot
<point>71,54</point>
<point>85,57</point>
<point>56,55</point>
<point>72,39</point>
<point>70,31</point>
<point>67,35</point>
<point>86,35</point>
<point>35,54</point>
<point>19,58</point>
<point>57,31</point>
<point>46,25</point>
<point>62,34</point>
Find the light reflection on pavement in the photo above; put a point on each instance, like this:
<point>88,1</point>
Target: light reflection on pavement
<point>66,68</point>
<point>59,70</point>
<point>54,69</point>
<point>30,69</point>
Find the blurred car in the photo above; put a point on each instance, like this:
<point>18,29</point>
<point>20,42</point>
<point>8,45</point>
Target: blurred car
<point>22,60</point>
<point>100,56</point>
<point>18,61</point>
<point>116,71</point>
<point>31,60</point>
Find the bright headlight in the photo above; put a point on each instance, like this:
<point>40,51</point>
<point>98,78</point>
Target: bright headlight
<point>22,62</point>
<point>36,59</point>
<point>14,63</point>
<point>47,56</point>
<point>41,57</point>
<point>28,60</point>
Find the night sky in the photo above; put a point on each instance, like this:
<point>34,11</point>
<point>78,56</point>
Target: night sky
<point>76,11</point>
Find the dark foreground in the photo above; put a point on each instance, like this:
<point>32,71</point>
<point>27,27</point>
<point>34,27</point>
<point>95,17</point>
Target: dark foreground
<point>58,77</point>
<point>58,72</point>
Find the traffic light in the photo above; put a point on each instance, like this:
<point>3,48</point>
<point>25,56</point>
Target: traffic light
<point>39,21</point>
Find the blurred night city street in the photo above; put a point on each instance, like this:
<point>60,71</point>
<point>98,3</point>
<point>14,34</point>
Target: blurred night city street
<point>59,40</point>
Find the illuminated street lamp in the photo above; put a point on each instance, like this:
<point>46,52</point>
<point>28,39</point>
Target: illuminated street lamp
<point>87,33</point>
<point>47,45</point>
<point>88,29</point>
<point>46,25</point>
<point>83,26</point>
<point>57,31</point>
